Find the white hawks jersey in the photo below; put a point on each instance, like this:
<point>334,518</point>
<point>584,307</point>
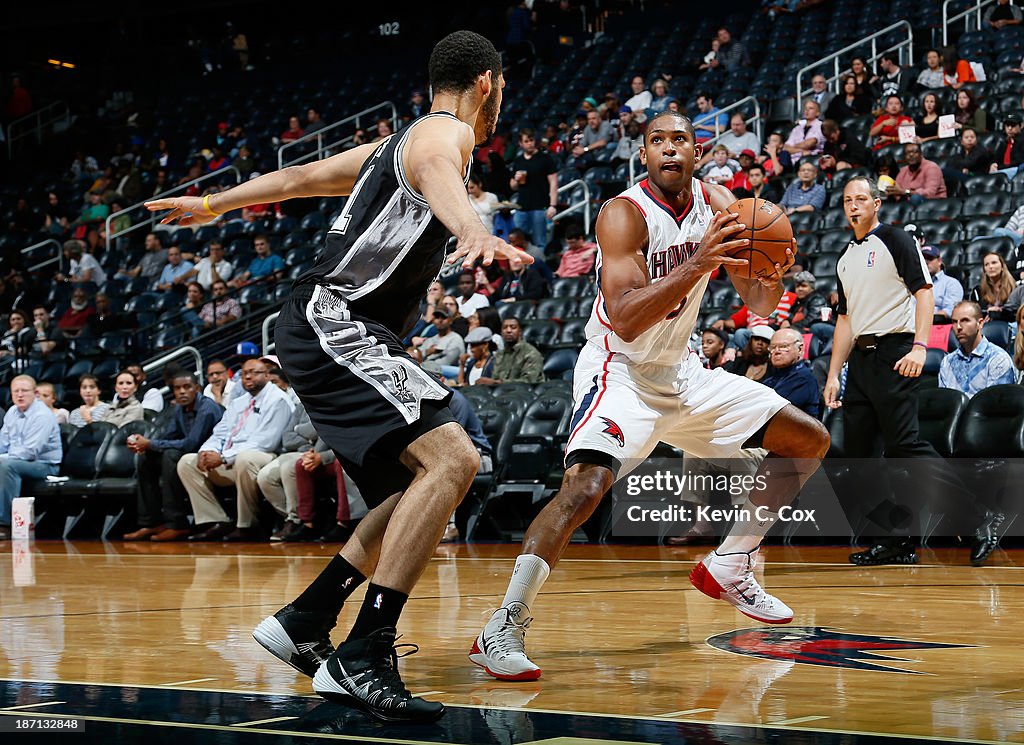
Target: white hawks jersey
<point>673,239</point>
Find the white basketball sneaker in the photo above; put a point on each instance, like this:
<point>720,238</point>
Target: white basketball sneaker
<point>730,577</point>
<point>501,647</point>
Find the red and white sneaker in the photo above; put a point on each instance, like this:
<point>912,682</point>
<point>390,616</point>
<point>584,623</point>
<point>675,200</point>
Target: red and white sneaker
<point>730,577</point>
<point>501,647</point>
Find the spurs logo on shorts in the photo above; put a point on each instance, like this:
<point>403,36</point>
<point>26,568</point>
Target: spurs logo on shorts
<point>400,376</point>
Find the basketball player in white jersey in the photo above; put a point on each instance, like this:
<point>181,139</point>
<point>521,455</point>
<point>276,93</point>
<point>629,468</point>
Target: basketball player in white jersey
<point>637,383</point>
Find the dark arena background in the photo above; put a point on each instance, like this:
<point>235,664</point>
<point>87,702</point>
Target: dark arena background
<point>117,625</point>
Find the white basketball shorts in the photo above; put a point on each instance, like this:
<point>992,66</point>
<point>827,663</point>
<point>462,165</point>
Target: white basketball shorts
<point>624,409</point>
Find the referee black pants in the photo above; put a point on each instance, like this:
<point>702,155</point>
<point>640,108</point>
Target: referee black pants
<point>880,405</point>
<point>880,417</point>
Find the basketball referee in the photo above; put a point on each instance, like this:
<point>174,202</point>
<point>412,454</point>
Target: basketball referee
<point>884,320</point>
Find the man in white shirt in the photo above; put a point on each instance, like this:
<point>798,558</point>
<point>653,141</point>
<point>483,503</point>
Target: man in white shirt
<point>213,267</point>
<point>244,441</point>
<point>468,299</point>
<point>641,99</point>
<point>82,266</point>
<point>738,138</point>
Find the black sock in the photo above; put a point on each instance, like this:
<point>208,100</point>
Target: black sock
<point>331,588</point>
<point>380,610</point>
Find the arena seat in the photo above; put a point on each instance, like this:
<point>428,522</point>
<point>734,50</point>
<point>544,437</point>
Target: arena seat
<point>117,481</point>
<point>985,183</point>
<point>936,209</point>
<point>555,308</point>
<point>982,225</point>
<point>569,286</point>
<point>895,213</point>
<point>1000,244</point>
<point>939,233</point>
<point>541,333</point>
<point>559,361</point>
<point>991,203</point>
<point>80,465</point>
<point>992,424</point>
<point>938,415</point>
<point>999,333</point>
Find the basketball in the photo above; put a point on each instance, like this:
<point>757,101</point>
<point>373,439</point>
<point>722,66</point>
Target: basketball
<point>770,234</point>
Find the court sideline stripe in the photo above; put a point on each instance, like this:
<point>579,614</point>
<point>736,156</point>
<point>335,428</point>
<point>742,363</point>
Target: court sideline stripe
<point>263,721</point>
<point>32,706</point>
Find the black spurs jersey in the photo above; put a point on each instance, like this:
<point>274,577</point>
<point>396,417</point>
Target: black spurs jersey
<point>386,246</point>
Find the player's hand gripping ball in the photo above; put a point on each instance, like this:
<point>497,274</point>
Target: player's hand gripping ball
<point>770,234</point>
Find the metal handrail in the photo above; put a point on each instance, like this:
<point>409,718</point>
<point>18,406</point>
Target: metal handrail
<point>946,20</point>
<point>185,351</point>
<point>321,148</point>
<point>40,124</point>
<point>576,206</point>
<point>634,160</point>
<point>268,343</point>
<point>815,66</point>
<point>59,258</point>
<point>152,216</point>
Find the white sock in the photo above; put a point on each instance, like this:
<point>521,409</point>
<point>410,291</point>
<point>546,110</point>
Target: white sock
<point>747,533</point>
<point>527,578</point>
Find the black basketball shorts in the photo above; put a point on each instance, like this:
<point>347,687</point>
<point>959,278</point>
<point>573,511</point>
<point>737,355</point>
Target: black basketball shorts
<point>366,397</point>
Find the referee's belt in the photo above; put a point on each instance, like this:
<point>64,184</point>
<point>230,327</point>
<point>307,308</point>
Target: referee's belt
<point>870,342</point>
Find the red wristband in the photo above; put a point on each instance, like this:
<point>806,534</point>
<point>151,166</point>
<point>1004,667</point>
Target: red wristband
<point>920,344</point>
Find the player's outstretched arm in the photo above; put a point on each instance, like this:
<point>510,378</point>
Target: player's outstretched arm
<point>331,177</point>
<point>634,304</point>
<point>760,295</point>
<point>435,158</point>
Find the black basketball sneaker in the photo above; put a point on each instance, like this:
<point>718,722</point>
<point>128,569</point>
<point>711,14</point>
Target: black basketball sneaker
<point>300,638</point>
<point>364,673</point>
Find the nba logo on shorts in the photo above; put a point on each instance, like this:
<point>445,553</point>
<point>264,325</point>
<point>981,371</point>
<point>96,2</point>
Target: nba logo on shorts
<point>871,258</point>
<point>379,600</point>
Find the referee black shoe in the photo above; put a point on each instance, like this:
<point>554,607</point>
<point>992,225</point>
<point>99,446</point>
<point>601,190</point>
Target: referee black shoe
<point>364,673</point>
<point>986,538</point>
<point>893,553</point>
<point>300,638</point>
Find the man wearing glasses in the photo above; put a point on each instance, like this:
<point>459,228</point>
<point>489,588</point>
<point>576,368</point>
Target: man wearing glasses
<point>792,378</point>
<point>245,440</point>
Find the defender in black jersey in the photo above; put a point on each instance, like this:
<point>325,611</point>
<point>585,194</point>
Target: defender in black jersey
<point>338,340</point>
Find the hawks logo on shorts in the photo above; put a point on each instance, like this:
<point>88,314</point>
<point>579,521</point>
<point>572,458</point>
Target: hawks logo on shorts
<point>818,645</point>
<point>614,431</point>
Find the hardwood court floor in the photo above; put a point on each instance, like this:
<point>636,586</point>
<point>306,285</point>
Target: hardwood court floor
<point>160,634</point>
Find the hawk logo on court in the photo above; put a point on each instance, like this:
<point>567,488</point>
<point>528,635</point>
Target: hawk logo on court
<point>614,431</point>
<point>818,645</point>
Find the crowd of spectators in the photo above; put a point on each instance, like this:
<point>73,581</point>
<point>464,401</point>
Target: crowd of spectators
<point>881,118</point>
